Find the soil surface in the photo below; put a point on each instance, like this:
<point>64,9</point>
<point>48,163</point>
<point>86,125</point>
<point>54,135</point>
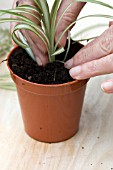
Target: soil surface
<point>53,73</point>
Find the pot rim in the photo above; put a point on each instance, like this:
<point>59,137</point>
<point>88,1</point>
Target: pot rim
<point>36,84</point>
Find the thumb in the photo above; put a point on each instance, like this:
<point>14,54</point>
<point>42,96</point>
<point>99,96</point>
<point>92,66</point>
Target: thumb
<point>110,23</point>
<point>69,17</point>
<point>107,86</point>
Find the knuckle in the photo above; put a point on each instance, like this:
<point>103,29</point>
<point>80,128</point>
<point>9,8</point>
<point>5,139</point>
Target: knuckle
<point>92,66</point>
<point>69,17</point>
<point>84,55</point>
<point>108,61</point>
<point>106,45</point>
<point>23,2</point>
<point>106,42</point>
<point>81,57</point>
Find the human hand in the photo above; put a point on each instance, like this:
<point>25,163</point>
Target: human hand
<point>35,43</point>
<point>95,59</point>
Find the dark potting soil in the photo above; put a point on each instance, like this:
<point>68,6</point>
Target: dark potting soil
<point>53,73</point>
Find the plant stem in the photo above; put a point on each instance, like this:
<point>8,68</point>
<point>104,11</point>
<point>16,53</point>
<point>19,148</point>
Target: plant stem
<point>85,39</point>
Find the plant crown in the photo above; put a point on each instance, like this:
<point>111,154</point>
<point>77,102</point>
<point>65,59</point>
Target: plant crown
<point>47,20</point>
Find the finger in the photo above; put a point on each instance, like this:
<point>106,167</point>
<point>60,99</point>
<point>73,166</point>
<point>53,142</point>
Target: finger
<point>38,47</point>
<point>35,44</point>
<point>68,17</point>
<point>99,48</point>
<point>37,41</point>
<point>107,86</point>
<point>19,3</point>
<point>13,24</point>
<point>110,23</point>
<point>31,3</point>
<point>93,68</point>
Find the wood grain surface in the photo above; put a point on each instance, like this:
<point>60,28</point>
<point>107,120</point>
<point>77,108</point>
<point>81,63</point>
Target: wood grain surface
<point>90,149</point>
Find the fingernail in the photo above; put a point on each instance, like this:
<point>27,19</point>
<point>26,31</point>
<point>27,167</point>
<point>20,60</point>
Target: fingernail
<point>74,72</point>
<point>39,62</point>
<point>107,87</point>
<point>69,64</point>
<point>17,3</point>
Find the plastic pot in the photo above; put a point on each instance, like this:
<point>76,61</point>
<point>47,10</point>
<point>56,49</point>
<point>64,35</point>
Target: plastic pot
<point>51,113</point>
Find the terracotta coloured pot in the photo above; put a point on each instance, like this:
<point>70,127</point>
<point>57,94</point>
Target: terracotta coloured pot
<point>51,113</point>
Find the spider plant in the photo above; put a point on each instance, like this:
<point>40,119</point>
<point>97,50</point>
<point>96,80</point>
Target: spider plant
<point>5,43</point>
<point>47,19</point>
<point>6,83</point>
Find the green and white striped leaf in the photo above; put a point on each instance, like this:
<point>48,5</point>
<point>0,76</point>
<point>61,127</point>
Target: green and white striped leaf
<point>35,28</point>
<point>65,10</point>
<point>26,27</point>
<point>2,12</point>
<point>6,83</point>
<point>16,11</point>
<point>53,20</point>
<point>68,47</point>
<point>58,51</point>
<point>28,50</point>
<point>46,15</point>
<point>72,24</point>
<point>7,86</point>
<point>96,2</point>
<point>47,20</point>
<point>28,7</point>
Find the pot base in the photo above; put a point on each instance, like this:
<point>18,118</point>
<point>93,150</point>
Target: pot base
<point>51,141</point>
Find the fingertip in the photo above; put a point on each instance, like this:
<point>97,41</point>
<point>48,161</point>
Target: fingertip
<point>42,59</point>
<point>17,3</point>
<point>39,62</point>
<point>45,60</point>
<point>69,64</point>
<point>107,87</point>
<point>110,23</point>
<point>75,72</point>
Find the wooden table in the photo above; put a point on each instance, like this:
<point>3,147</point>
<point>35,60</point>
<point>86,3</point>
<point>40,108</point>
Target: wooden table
<point>90,149</point>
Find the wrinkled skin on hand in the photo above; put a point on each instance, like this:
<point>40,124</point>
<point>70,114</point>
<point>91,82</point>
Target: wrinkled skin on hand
<point>94,59</point>
<point>36,44</point>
